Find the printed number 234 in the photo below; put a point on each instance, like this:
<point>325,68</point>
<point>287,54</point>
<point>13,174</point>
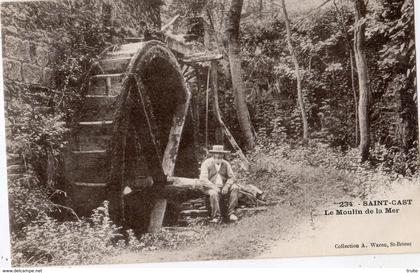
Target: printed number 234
<point>345,204</point>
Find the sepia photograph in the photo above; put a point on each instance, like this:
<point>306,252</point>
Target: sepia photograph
<point>150,131</point>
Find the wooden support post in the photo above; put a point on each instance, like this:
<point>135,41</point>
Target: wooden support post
<point>157,215</point>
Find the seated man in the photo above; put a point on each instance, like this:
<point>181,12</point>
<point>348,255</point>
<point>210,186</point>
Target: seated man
<point>218,172</point>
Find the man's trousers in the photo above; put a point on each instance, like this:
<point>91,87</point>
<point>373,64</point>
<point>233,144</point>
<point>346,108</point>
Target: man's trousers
<point>218,200</point>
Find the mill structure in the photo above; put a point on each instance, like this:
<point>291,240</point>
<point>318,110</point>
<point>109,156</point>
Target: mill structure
<point>134,131</point>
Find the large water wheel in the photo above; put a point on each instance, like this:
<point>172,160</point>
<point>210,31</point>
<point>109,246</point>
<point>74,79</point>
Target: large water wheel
<point>134,131</point>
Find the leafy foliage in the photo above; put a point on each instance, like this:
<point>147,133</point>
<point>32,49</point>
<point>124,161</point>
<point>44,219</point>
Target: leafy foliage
<point>87,241</point>
<point>48,241</point>
<point>38,119</point>
<point>27,201</point>
<point>288,171</point>
<point>324,55</point>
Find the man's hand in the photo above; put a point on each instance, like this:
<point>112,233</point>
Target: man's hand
<point>208,185</point>
<point>225,189</point>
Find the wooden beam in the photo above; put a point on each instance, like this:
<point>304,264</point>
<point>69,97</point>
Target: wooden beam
<point>183,182</point>
<point>165,27</point>
<point>81,184</point>
<point>93,123</point>
<point>202,58</point>
<point>190,184</point>
<point>178,44</point>
<point>103,76</point>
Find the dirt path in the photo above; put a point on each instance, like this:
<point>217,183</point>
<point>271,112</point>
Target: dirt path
<point>326,235</point>
<point>245,239</point>
<point>284,231</point>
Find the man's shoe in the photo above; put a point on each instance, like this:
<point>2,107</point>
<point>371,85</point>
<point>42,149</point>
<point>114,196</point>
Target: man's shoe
<point>233,218</point>
<point>215,220</point>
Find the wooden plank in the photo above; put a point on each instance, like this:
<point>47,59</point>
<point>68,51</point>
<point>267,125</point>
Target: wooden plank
<point>15,169</point>
<point>102,96</point>
<point>115,65</point>
<point>94,152</point>
<point>103,76</point>
<point>96,123</point>
<point>128,48</point>
<point>13,159</point>
<point>81,184</point>
<point>133,39</point>
<point>195,212</point>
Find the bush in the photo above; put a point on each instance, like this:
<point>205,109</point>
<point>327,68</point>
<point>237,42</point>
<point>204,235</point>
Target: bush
<point>48,241</point>
<point>27,201</point>
<point>394,159</point>
<point>290,171</point>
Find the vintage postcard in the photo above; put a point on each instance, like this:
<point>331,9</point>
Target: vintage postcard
<point>189,130</point>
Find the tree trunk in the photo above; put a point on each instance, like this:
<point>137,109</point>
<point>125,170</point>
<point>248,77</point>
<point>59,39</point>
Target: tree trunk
<point>297,73</point>
<point>214,88</point>
<point>232,32</point>
<point>352,71</point>
<point>260,9</point>
<point>363,77</point>
<point>218,116</point>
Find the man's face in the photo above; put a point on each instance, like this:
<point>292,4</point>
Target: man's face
<point>218,158</point>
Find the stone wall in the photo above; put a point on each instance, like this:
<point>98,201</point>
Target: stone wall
<point>29,28</point>
<point>26,52</point>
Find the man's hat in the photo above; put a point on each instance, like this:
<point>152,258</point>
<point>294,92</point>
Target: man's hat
<point>218,149</point>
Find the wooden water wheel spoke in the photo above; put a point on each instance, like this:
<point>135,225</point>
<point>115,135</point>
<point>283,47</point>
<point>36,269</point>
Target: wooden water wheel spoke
<point>145,137</point>
<point>148,113</point>
<point>187,70</point>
